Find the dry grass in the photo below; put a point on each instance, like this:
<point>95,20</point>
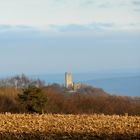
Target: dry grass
<point>47,126</point>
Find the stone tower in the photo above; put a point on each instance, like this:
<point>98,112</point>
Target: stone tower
<point>68,80</point>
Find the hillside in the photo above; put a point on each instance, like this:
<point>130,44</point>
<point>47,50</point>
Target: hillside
<point>59,99</point>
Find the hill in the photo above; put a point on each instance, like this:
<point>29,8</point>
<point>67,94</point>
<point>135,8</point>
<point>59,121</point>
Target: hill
<point>125,86</point>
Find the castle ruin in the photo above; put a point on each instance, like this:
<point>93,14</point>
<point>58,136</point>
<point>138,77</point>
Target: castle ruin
<point>68,80</point>
<point>69,84</point>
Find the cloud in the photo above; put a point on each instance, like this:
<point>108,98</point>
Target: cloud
<point>70,27</point>
<point>136,2</point>
<point>105,5</point>
<point>61,12</point>
<point>18,33</point>
<point>23,27</point>
<point>82,28</point>
<point>6,27</point>
<point>137,10</point>
<point>96,27</point>
<point>88,2</point>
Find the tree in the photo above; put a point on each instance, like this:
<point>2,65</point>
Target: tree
<point>20,81</point>
<point>33,99</point>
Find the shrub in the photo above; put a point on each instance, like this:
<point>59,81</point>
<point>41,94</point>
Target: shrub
<point>33,99</point>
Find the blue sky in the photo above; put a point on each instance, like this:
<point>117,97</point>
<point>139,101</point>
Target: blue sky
<point>54,36</point>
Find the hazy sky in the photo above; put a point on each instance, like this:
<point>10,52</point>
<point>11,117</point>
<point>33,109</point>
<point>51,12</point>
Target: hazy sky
<point>54,36</point>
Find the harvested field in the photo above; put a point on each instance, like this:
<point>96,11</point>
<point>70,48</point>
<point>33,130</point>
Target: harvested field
<point>86,127</point>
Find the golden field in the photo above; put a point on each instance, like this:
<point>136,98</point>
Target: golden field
<point>50,127</point>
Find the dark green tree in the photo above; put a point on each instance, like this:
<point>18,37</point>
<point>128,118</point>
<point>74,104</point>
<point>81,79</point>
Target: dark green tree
<point>33,99</point>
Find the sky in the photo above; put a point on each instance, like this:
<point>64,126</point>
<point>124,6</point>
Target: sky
<point>80,36</point>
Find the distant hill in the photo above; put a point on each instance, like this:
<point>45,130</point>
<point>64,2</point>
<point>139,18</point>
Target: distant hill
<point>93,91</point>
<point>127,86</point>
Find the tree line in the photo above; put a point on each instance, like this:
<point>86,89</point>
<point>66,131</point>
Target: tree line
<point>40,98</point>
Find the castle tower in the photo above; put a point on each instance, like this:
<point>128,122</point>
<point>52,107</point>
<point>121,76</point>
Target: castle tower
<point>68,80</point>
